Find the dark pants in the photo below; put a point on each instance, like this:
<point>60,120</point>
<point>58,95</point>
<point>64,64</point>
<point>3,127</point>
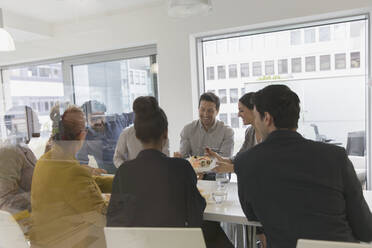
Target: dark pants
<point>214,235</point>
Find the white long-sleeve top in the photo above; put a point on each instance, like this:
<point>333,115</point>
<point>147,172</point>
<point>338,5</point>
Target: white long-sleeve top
<point>128,147</point>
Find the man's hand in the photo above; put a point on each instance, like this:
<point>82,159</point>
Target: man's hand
<point>177,155</point>
<point>262,239</point>
<point>224,167</point>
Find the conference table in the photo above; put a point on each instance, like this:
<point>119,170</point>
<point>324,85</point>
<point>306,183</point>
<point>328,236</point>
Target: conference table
<point>230,210</point>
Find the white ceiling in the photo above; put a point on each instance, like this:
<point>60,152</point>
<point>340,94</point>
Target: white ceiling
<point>55,11</point>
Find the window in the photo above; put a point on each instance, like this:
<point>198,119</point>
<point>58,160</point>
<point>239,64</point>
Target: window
<point>221,46</point>
<point>340,61</point>
<point>233,71</point>
<point>222,95</point>
<point>325,33</point>
<point>233,45</point>
<point>355,29</point>
<point>234,96</point>
<point>234,120</point>
<point>242,91</point>
<point>282,66</point>
<point>221,72</point>
<point>296,65</point>
<point>106,82</point>
<point>244,70</point>
<point>295,37</point>
<point>210,73</point>
<point>131,78</point>
<point>325,62</point>
<point>33,92</point>
<point>212,91</point>
<point>257,69</point>
<point>309,35</point>
<point>310,63</point>
<point>308,55</point>
<point>269,67</point>
<point>355,60</point>
<point>340,31</point>
<point>44,72</point>
<point>223,118</point>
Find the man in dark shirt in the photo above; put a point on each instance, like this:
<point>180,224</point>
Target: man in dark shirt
<point>103,134</point>
<point>298,188</point>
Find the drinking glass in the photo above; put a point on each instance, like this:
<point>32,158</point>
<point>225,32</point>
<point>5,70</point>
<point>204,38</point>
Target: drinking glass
<point>222,180</point>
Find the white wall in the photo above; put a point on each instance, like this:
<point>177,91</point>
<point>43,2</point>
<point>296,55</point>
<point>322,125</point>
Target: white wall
<point>172,37</point>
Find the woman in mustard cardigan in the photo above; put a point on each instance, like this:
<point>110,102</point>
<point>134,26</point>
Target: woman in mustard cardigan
<point>67,205</point>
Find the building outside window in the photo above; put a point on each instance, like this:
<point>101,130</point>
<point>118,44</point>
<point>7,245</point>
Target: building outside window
<point>242,91</point>
<point>244,70</point>
<point>295,37</point>
<point>340,61</point>
<point>282,66</point>
<point>223,95</point>
<point>234,120</point>
<point>296,65</point>
<point>325,33</point>
<point>309,35</point>
<point>339,31</point>
<point>355,29</point>
<point>233,71</point>
<point>325,62</point>
<point>234,95</point>
<point>223,118</point>
<point>212,91</point>
<point>310,63</point>
<point>269,67</point>
<point>257,69</point>
<point>210,73</point>
<point>355,60</point>
<point>221,69</point>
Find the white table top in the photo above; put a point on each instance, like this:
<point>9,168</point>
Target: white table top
<point>231,211</point>
<point>228,211</point>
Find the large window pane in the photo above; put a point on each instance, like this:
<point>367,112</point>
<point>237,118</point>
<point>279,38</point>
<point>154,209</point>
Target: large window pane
<point>110,83</point>
<point>210,73</point>
<point>39,87</point>
<point>314,74</point>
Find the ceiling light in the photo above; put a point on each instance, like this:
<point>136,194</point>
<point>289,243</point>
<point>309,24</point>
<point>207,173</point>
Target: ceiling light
<point>6,40</point>
<point>186,8</point>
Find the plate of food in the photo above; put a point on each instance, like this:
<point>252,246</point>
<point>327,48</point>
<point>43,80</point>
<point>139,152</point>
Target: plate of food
<point>202,163</point>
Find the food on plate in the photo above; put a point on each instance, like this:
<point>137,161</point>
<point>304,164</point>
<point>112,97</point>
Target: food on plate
<point>200,161</point>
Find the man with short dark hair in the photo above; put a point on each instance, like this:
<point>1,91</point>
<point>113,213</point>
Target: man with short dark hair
<point>103,134</point>
<point>207,131</point>
<point>298,188</point>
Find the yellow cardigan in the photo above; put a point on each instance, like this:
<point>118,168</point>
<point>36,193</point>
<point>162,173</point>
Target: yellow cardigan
<point>67,205</point>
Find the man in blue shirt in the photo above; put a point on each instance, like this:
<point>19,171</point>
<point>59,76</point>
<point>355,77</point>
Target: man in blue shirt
<point>102,136</point>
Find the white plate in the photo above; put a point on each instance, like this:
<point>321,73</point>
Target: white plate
<point>206,168</point>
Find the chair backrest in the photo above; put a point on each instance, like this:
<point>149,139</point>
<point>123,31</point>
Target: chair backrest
<point>305,243</point>
<point>11,235</point>
<point>356,143</point>
<point>145,237</point>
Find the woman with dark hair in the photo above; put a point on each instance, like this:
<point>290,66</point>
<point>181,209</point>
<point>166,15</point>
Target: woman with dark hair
<point>252,138</point>
<point>154,190</point>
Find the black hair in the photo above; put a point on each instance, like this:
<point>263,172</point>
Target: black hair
<point>248,100</point>
<point>281,103</point>
<point>150,121</point>
<point>210,97</point>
